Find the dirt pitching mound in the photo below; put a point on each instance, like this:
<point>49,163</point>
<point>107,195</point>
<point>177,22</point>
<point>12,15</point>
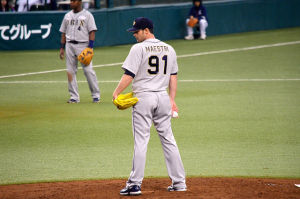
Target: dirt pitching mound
<point>156,188</point>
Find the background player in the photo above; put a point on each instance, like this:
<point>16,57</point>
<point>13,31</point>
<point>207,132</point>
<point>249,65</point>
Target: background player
<point>78,32</point>
<point>152,67</point>
<point>197,11</point>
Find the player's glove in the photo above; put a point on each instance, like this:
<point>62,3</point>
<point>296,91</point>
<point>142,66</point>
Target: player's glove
<point>192,22</point>
<point>124,101</point>
<point>86,56</point>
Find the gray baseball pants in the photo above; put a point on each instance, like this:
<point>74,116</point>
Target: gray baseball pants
<point>72,51</point>
<point>154,107</point>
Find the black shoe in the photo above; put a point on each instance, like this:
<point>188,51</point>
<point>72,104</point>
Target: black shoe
<point>72,101</point>
<point>133,190</point>
<point>96,100</point>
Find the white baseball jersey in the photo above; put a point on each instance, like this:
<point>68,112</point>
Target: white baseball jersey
<point>77,26</point>
<point>152,61</point>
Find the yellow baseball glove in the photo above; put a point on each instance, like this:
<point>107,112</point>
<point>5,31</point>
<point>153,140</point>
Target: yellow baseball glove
<point>86,56</point>
<point>192,22</point>
<point>124,101</point>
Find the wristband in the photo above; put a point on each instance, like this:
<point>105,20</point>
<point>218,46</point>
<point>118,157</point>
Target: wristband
<point>91,44</point>
<point>62,45</point>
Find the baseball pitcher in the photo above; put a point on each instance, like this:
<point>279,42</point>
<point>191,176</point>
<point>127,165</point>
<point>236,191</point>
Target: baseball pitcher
<point>152,68</point>
<point>77,39</point>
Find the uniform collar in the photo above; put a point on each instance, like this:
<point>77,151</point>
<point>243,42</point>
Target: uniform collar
<point>152,40</point>
<point>78,12</point>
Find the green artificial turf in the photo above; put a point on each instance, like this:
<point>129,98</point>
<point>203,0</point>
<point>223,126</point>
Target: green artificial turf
<point>239,113</point>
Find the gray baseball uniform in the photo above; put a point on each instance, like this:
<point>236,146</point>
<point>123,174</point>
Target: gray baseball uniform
<point>77,26</point>
<point>152,62</point>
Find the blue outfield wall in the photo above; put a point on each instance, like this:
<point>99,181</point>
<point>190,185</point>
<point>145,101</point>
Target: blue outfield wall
<point>40,30</point>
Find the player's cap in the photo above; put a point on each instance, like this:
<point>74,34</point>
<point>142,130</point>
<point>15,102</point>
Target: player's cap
<point>141,23</point>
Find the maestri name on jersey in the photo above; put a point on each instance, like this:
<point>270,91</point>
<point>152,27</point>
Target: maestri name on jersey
<point>156,48</point>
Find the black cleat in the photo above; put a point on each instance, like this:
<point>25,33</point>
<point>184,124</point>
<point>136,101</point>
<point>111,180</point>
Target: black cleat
<point>133,191</point>
<point>72,101</point>
<point>96,100</point>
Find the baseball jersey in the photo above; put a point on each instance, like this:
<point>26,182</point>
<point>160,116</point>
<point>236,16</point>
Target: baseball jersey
<point>152,62</point>
<point>198,12</point>
<point>77,26</point>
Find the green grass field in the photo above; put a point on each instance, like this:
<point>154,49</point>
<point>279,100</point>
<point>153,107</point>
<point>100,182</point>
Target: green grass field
<point>239,113</point>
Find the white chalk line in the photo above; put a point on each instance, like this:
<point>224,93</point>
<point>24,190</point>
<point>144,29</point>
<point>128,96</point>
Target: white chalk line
<point>239,49</point>
<point>187,81</point>
<point>239,80</point>
<point>179,56</point>
<point>49,82</point>
<point>53,71</point>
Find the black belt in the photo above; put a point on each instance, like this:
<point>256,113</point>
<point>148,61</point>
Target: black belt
<point>77,42</point>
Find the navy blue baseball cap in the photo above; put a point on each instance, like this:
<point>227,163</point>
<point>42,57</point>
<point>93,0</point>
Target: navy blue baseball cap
<point>141,23</point>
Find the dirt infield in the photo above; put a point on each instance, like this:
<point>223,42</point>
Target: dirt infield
<point>156,188</point>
